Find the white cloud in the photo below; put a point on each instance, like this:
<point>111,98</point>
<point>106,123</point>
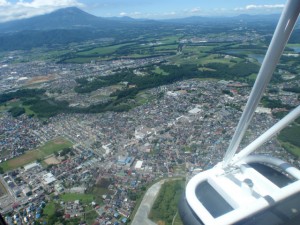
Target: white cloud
<point>123,14</point>
<point>20,9</point>
<point>195,10</point>
<point>170,14</point>
<point>132,14</point>
<point>136,14</point>
<point>260,7</point>
<point>4,3</point>
<point>276,6</point>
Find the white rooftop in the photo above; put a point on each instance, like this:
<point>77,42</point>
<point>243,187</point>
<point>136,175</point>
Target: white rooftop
<point>48,178</point>
<point>31,165</point>
<point>195,110</point>
<point>138,164</point>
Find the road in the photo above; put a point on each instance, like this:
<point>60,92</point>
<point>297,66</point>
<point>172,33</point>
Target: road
<point>141,216</point>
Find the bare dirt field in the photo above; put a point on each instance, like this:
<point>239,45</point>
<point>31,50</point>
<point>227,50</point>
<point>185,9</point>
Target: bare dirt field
<point>41,79</point>
<point>52,160</point>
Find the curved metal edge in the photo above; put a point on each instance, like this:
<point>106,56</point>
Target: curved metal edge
<point>239,213</point>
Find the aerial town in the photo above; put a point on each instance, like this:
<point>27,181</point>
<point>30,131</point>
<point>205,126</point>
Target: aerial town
<point>185,127</point>
<point>87,127</point>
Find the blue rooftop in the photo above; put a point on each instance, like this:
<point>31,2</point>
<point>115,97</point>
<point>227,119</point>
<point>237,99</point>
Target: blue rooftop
<point>124,220</point>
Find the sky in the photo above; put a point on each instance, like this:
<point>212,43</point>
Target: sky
<point>152,9</point>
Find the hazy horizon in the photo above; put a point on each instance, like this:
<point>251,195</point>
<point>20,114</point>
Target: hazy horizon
<point>154,9</point>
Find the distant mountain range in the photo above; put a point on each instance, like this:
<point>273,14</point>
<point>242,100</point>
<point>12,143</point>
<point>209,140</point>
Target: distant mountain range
<point>74,25</point>
<point>74,18</point>
<point>242,18</point>
<point>67,18</point>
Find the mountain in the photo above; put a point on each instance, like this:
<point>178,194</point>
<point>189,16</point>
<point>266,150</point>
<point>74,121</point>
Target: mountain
<point>74,18</point>
<point>67,18</point>
<point>65,26</point>
<point>74,25</point>
<point>240,18</point>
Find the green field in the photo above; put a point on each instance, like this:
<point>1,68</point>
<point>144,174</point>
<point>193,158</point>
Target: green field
<point>289,139</point>
<point>171,39</point>
<point>158,70</point>
<point>102,50</point>
<point>164,209</point>
<point>91,216</point>
<point>6,106</point>
<point>2,190</point>
<point>166,47</point>
<point>49,209</point>
<point>99,53</point>
<point>291,148</point>
<point>129,50</point>
<point>16,103</point>
<point>85,198</point>
<point>47,149</point>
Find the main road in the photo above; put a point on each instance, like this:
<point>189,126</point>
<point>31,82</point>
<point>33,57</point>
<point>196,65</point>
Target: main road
<point>141,216</point>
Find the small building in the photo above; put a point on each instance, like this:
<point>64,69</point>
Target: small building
<point>78,190</point>
<point>125,160</point>
<point>195,110</point>
<point>31,166</point>
<point>261,110</point>
<point>138,164</point>
<point>26,191</point>
<point>124,220</point>
<point>48,178</point>
<point>58,187</point>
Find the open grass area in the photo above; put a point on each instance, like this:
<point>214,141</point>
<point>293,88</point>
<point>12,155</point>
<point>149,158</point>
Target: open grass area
<point>81,59</point>
<point>166,47</point>
<point>164,209</point>
<point>91,216</point>
<point>291,148</point>
<point>47,149</point>
<point>55,145</point>
<point>49,209</point>
<point>97,193</point>
<point>85,198</point>
<point>6,106</point>
<point>170,39</point>
<point>102,50</point>
<point>158,70</point>
<point>16,103</point>
<point>142,98</point>
<point>289,138</point>
<point>2,190</point>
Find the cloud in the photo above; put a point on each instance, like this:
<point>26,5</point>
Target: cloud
<point>137,14</point>
<point>123,14</point>
<point>21,9</point>
<point>277,6</point>
<point>170,14</point>
<point>4,3</point>
<point>132,14</point>
<point>195,10</point>
<point>260,7</point>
